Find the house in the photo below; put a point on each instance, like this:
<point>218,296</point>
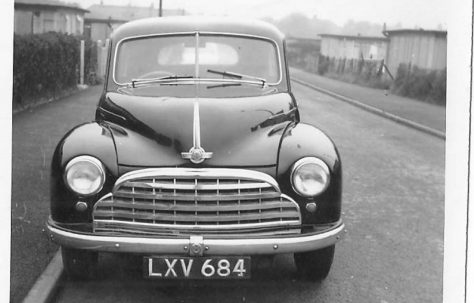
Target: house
<point>354,47</point>
<point>303,52</point>
<point>103,19</point>
<point>40,16</point>
<point>426,49</point>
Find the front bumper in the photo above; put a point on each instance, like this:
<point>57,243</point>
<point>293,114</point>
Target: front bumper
<point>197,245</point>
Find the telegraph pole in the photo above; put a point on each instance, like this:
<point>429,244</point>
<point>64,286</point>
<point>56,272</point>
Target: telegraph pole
<point>160,9</point>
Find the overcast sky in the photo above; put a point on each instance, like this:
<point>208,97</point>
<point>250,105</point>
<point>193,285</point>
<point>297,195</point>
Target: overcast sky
<point>427,14</point>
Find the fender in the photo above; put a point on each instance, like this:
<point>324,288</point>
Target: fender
<point>304,140</point>
<point>92,139</point>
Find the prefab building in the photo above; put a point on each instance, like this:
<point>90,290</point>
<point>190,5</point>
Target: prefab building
<point>426,49</point>
<point>41,16</point>
<point>353,47</point>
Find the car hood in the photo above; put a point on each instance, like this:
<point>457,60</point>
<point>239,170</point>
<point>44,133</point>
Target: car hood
<point>154,131</point>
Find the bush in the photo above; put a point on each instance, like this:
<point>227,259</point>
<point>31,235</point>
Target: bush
<point>410,81</point>
<point>44,65</point>
<point>426,85</point>
<point>323,66</point>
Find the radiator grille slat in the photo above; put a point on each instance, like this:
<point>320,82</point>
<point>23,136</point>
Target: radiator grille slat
<point>191,196</point>
<point>221,187</point>
<point>189,201</point>
<point>195,218</point>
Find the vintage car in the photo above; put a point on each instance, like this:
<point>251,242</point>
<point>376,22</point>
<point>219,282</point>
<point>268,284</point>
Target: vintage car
<point>197,161</point>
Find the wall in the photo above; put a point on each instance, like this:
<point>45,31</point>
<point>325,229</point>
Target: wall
<point>23,22</point>
<point>339,48</point>
<point>426,50</point>
<point>37,21</point>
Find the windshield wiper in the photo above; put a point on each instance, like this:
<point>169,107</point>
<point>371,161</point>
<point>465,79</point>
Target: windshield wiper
<point>134,82</point>
<point>237,75</point>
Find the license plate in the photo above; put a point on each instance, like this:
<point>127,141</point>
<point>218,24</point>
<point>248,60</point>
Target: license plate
<point>197,268</point>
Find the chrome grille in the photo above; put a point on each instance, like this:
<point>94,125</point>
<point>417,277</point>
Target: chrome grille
<point>187,201</point>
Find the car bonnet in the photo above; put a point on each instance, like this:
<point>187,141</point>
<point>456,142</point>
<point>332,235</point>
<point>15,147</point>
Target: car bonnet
<point>155,131</point>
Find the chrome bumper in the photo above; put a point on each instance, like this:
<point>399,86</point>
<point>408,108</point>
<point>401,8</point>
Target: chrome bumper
<point>197,245</point>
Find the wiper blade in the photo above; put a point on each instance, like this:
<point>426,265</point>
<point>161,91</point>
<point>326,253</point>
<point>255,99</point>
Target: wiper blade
<point>237,75</point>
<point>134,82</point>
<point>223,85</point>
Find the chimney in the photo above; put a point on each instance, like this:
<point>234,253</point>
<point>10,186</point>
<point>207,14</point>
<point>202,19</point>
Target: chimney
<point>384,29</point>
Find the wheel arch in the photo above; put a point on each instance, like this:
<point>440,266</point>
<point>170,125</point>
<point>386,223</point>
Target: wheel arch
<point>303,140</point>
<point>91,139</point>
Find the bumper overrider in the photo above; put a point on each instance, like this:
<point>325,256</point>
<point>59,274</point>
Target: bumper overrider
<point>197,245</point>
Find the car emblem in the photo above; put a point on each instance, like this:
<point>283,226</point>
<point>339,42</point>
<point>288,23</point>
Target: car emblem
<point>196,154</point>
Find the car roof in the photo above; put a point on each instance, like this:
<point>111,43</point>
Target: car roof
<point>165,25</point>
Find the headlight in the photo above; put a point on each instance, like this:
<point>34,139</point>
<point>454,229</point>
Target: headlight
<point>85,175</point>
<point>310,176</point>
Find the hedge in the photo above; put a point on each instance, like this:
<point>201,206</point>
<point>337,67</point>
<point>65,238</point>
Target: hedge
<point>359,71</point>
<point>46,65</point>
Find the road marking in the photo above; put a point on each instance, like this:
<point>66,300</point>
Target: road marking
<point>375,110</point>
<point>44,288</point>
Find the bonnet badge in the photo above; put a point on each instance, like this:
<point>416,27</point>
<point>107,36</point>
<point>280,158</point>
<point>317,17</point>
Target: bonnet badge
<point>196,154</point>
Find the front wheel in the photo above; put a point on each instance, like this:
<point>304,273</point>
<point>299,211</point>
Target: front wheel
<point>80,264</point>
<point>315,265</point>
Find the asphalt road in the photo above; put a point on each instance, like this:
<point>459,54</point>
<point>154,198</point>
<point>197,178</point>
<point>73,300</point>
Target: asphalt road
<point>393,209</point>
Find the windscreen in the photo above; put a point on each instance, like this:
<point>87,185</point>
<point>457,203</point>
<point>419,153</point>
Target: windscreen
<point>203,56</point>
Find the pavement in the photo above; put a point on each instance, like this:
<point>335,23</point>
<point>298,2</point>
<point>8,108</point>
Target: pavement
<point>430,115</point>
<point>35,133</point>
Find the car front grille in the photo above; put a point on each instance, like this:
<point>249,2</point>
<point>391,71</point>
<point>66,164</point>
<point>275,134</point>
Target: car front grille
<point>196,201</point>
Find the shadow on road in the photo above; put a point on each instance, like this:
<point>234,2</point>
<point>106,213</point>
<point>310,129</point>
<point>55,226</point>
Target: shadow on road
<point>121,280</point>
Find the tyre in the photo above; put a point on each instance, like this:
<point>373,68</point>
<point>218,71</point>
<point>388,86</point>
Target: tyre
<point>314,265</point>
<point>80,264</point>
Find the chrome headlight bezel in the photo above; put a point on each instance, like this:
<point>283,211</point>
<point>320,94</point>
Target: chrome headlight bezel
<point>324,171</point>
<point>95,164</point>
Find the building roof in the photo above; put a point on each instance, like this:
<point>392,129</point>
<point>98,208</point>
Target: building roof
<point>100,12</point>
<point>301,42</point>
<point>49,4</point>
<point>188,24</point>
<point>414,31</point>
<point>352,37</point>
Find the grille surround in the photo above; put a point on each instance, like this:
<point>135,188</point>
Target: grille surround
<point>188,201</point>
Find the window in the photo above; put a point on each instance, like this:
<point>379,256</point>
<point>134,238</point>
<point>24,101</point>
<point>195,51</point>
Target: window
<point>48,22</point>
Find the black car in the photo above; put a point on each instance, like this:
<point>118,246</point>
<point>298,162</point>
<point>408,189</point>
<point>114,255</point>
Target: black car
<point>197,160</point>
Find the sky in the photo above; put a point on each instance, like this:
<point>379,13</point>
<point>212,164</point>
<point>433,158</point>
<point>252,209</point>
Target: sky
<point>427,14</point>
